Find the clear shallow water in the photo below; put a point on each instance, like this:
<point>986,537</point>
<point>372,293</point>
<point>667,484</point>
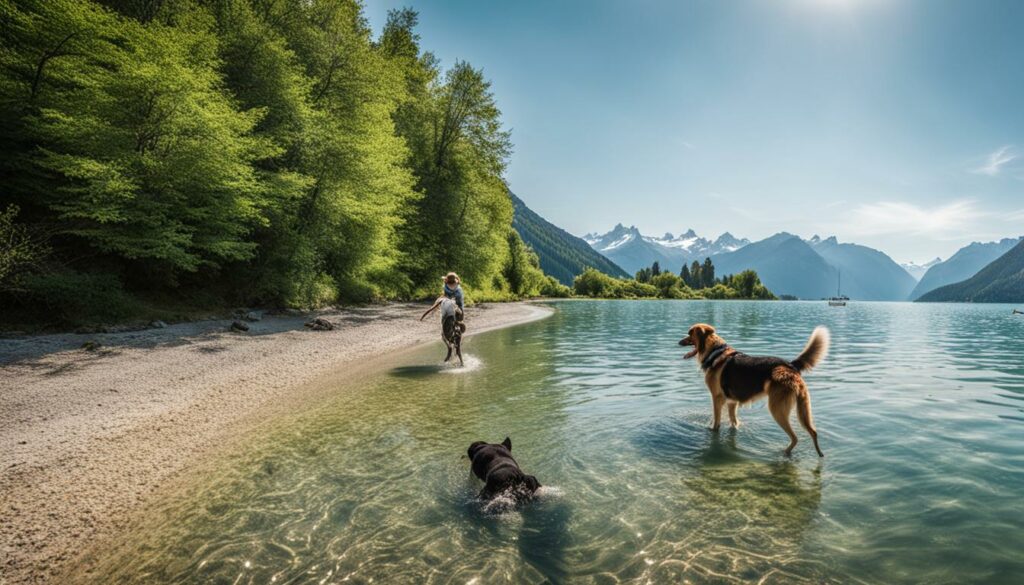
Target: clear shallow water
<point>920,410</point>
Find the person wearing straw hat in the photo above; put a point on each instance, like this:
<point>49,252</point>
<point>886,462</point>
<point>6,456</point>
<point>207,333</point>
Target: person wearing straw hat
<point>452,289</point>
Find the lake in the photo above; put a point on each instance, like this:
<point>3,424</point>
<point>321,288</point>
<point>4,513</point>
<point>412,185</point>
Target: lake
<point>920,410</point>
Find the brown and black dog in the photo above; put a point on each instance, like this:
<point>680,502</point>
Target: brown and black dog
<point>735,378</point>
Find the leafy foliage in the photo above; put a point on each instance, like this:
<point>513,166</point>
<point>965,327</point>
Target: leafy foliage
<point>652,282</point>
<point>272,151</point>
<point>21,251</point>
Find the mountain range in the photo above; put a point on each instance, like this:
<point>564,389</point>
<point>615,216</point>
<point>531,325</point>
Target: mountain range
<point>631,250</point>
<point>786,264</point>
<point>962,265</point>
<point>1001,281</point>
<point>867,274</point>
<point>561,254</point>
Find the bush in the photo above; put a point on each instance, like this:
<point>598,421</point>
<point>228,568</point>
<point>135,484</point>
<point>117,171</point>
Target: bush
<point>718,292</point>
<point>748,286</point>
<point>20,251</point>
<point>593,283</point>
<point>75,298</point>
<point>554,289</point>
<point>668,285</point>
<point>634,289</point>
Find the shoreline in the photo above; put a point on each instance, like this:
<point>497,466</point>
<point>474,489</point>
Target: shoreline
<point>87,436</point>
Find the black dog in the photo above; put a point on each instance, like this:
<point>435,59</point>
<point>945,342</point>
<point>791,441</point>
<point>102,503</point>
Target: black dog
<point>494,465</point>
<point>451,332</point>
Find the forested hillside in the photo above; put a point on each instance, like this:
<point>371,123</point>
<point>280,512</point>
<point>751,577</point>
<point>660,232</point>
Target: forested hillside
<point>242,152</point>
<point>562,255</point>
<point>1002,281</point>
<point>961,266</point>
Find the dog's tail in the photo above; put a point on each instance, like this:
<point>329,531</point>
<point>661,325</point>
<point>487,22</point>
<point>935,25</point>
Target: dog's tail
<point>814,351</point>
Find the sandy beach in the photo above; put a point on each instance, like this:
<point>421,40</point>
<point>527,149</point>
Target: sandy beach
<point>86,435</point>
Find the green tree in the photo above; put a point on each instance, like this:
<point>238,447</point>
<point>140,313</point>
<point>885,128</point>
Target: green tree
<point>459,155</point>
<point>130,144</point>
<point>696,275</point>
<point>684,274</point>
<point>748,285</point>
<point>522,268</point>
<point>246,151</point>
<point>707,274</point>
<point>668,285</point>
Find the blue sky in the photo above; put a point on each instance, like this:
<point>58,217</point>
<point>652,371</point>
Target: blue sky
<point>895,124</point>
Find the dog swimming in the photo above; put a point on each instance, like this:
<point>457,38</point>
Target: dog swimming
<point>494,465</point>
<point>734,378</point>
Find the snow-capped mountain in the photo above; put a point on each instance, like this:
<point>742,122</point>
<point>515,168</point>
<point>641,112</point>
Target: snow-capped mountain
<point>632,250</point>
<point>696,245</point>
<point>917,270</point>
<point>786,263</point>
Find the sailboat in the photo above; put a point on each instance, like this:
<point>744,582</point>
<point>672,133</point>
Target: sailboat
<point>839,300</point>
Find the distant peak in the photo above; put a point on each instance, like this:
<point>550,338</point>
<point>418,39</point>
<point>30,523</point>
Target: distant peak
<point>620,229</point>
<point>689,234</point>
<point>668,236</point>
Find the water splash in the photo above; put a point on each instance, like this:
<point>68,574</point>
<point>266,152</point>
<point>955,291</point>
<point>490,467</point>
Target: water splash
<point>471,364</point>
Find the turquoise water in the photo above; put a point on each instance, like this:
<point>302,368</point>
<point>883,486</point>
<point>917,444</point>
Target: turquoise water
<point>920,409</point>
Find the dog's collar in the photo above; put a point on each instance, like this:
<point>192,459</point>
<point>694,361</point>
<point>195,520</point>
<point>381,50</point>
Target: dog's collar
<point>714,355</point>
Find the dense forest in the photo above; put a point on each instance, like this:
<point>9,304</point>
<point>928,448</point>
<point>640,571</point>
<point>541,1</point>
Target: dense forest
<point>218,152</point>
<point>697,281</point>
<point>161,157</point>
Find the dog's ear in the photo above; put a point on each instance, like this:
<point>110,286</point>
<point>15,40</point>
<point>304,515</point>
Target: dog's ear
<point>531,482</point>
<point>507,443</point>
<point>476,446</point>
<point>700,332</point>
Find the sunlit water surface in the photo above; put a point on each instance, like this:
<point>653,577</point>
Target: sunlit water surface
<point>920,410</point>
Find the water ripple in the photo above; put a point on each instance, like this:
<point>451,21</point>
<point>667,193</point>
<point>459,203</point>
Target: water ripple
<point>919,409</point>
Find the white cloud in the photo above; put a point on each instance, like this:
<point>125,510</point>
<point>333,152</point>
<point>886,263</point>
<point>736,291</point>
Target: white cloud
<point>995,161</point>
<point>897,217</point>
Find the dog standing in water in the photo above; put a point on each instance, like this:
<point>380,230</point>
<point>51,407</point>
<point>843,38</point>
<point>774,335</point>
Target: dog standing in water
<point>735,378</point>
<point>452,326</point>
